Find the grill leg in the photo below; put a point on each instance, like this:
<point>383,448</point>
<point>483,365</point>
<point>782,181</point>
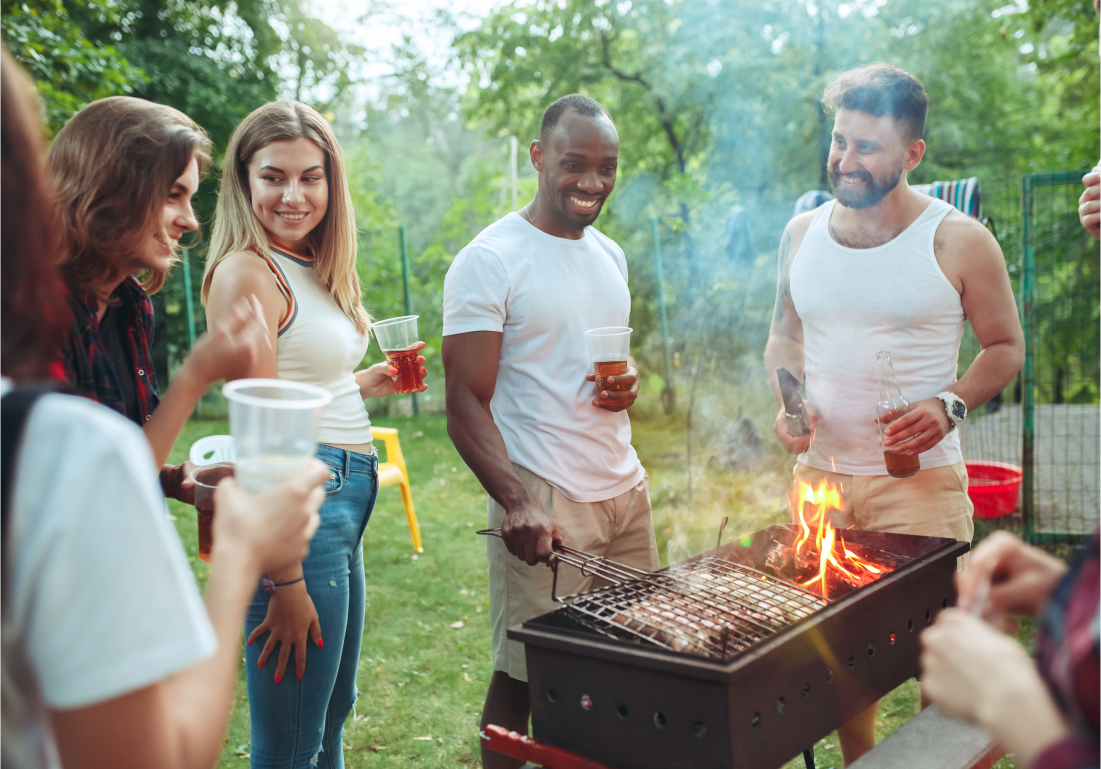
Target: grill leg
<point>808,758</point>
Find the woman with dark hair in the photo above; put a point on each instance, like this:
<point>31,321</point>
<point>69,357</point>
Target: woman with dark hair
<point>109,658</point>
<point>124,171</point>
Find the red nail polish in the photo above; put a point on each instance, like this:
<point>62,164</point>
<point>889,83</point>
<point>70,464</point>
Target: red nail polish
<point>321,642</point>
<point>299,676</point>
<point>249,642</point>
<point>259,665</point>
<point>278,679</point>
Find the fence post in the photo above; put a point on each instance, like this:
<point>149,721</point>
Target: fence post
<point>668,393</point>
<point>190,301</point>
<point>408,293</point>
<point>1028,406</point>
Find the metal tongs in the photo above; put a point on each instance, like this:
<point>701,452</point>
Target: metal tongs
<point>589,564</point>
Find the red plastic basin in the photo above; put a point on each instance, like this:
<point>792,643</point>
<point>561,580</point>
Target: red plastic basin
<point>993,487</point>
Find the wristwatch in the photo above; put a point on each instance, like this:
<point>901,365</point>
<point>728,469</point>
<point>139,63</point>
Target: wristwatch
<point>955,408</point>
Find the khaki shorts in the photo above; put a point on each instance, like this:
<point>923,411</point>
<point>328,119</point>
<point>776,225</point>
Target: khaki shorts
<point>620,529</point>
<point>932,503</point>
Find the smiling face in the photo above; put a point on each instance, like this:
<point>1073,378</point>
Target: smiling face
<point>176,218</point>
<point>289,190</point>
<point>868,156</point>
<point>577,167</point>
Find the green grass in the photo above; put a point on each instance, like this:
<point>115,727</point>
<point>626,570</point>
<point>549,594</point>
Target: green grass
<point>421,677</point>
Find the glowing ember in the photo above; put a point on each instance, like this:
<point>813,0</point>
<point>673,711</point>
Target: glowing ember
<point>819,547</point>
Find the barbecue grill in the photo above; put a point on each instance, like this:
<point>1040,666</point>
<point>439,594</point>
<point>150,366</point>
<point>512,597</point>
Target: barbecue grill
<point>713,663</point>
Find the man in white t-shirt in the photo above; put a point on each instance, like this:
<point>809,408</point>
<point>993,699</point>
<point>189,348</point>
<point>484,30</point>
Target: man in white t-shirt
<point>553,454</point>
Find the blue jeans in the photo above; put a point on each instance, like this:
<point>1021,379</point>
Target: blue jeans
<point>298,724</point>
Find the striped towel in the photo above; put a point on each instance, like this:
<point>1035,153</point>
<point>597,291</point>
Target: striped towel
<point>963,194</point>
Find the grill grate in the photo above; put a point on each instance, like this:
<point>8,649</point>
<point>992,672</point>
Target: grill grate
<point>709,607</point>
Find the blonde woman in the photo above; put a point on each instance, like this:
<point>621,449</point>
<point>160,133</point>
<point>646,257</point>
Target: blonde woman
<point>284,231</point>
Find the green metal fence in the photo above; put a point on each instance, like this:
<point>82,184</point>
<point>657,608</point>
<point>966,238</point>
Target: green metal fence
<point>1048,421</point>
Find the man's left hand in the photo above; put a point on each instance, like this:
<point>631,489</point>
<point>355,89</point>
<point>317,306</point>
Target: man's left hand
<point>926,420</point>
<point>622,398</point>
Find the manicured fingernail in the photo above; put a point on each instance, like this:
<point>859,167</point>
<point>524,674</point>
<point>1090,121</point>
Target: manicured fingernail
<point>259,664</point>
<point>249,642</point>
<point>321,642</point>
<point>299,676</point>
<point>278,679</point>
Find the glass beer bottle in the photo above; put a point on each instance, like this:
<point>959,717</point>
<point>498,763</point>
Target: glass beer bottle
<point>890,407</point>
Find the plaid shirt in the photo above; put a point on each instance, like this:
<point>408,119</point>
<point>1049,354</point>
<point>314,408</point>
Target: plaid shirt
<point>84,356</point>
<point>1067,649</point>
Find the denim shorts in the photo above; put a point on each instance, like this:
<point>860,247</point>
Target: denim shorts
<point>297,724</point>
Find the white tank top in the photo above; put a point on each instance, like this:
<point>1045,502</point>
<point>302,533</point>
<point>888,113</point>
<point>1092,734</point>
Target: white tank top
<point>855,302</point>
<point>320,345</point>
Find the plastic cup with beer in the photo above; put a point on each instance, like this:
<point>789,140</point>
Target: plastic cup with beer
<point>206,478</point>
<point>274,427</point>
<point>609,349</point>
<point>398,339</point>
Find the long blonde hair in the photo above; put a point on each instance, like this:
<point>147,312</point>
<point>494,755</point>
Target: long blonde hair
<point>332,242</point>
<point>113,165</point>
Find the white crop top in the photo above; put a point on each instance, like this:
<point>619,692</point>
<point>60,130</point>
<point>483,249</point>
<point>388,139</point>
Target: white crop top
<point>319,345</point>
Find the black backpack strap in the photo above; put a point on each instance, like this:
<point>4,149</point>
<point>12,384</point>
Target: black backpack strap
<point>15,407</point>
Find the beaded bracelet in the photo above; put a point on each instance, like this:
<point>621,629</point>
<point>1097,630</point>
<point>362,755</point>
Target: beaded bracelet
<point>271,587</point>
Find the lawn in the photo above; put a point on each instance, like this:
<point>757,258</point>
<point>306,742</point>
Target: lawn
<point>426,658</point>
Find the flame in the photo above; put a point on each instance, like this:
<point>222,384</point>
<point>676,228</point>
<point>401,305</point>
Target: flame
<point>818,501</point>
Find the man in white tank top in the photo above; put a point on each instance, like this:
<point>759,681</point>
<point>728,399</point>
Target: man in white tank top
<point>885,268</point>
<point>553,454</point>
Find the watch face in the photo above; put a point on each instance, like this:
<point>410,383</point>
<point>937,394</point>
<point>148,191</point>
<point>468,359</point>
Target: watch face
<point>959,411</point>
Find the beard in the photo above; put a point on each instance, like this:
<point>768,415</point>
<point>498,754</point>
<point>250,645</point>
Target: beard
<point>873,192</point>
<point>571,220</point>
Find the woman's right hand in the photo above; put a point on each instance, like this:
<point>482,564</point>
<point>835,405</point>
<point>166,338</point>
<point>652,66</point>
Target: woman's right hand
<point>231,349</point>
<point>1021,577</point>
<point>272,530</point>
<point>292,619</point>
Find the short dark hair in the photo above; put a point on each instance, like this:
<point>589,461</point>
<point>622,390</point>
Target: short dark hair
<point>577,102</point>
<point>880,89</point>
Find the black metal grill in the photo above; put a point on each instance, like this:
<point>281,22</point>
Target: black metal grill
<point>710,608</point>
<point>791,669</point>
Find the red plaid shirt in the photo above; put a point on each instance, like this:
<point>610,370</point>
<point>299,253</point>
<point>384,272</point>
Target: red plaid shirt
<point>84,358</point>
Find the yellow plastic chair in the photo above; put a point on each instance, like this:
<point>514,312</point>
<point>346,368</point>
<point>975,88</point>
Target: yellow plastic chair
<point>392,472</point>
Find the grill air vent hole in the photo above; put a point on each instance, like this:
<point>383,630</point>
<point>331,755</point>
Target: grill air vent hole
<point>699,730</point>
<point>659,720</point>
<point>621,711</point>
<point>910,625</point>
<point>806,691</point>
<point>928,616</point>
<point>756,720</point>
<point>852,660</point>
<point>552,695</point>
<point>871,650</point>
<point>586,702</point>
<point>829,676</point>
<point>892,639</point>
<point>781,704</point>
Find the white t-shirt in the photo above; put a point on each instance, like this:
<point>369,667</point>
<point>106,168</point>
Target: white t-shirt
<point>98,597</point>
<point>543,293</point>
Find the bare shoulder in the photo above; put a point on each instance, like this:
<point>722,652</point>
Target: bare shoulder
<point>794,233</point>
<point>961,236</point>
<point>242,274</point>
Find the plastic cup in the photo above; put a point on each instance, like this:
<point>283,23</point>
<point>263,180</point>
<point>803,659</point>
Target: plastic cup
<point>398,339</point>
<point>206,479</point>
<point>609,349</point>
<point>274,428</point>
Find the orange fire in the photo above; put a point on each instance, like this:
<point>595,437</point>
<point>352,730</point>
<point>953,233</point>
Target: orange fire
<point>817,502</point>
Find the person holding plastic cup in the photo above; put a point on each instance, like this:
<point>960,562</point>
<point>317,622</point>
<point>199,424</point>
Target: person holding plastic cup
<point>536,407</point>
<point>285,231</point>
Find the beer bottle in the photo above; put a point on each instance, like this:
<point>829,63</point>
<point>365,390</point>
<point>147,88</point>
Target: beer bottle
<point>890,407</point>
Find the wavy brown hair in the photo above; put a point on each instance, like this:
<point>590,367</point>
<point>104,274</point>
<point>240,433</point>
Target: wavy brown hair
<point>113,166</point>
<point>332,242</point>
<point>33,313</point>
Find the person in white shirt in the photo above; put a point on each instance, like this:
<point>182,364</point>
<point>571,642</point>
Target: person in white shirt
<point>886,268</point>
<point>109,658</point>
<point>553,454</point>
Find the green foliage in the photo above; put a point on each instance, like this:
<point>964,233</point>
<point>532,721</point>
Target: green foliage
<point>69,69</point>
